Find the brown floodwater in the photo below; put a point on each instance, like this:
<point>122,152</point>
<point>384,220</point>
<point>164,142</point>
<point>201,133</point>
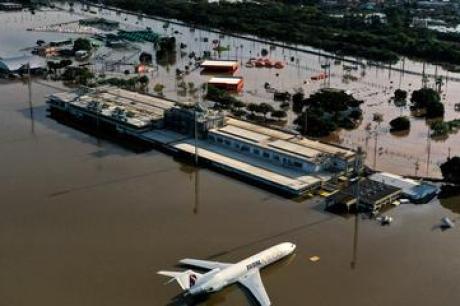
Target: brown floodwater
<point>85,221</point>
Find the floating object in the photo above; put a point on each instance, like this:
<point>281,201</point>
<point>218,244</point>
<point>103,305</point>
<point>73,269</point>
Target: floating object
<point>385,220</point>
<point>447,223</point>
<point>457,107</point>
<point>314,258</point>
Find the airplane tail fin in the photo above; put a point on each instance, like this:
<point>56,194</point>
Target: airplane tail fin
<point>185,279</point>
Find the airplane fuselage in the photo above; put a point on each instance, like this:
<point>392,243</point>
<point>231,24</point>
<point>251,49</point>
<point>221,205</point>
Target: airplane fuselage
<point>219,278</point>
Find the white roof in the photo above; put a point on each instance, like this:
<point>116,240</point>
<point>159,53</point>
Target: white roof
<point>293,148</point>
<point>394,180</point>
<point>220,80</point>
<point>308,146</point>
<point>242,133</point>
<point>211,63</point>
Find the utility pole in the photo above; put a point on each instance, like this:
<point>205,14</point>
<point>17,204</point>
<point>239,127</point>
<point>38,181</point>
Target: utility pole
<point>428,152</point>
<point>197,193</point>
<point>375,149</point>
<point>31,109</point>
<point>305,127</point>
<point>355,234</point>
<point>196,134</point>
<point>424,78</point>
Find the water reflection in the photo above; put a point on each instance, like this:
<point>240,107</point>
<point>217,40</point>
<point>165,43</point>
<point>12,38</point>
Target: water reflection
<point>354,258</point>
<point>452,203</point>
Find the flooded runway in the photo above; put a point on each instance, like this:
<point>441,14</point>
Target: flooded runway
<point>84,221</point>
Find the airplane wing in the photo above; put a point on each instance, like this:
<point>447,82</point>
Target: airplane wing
<point>253,283</point>
<point>205,264</point>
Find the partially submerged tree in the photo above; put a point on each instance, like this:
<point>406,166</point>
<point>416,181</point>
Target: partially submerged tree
<point>451,170</point>
<point>82,44</point>
<point>264,109</point>
<point>400,95</point>
<point>158,88</point>
<point>427,99</point>
<point>400,124</point>
<point>279,114</point>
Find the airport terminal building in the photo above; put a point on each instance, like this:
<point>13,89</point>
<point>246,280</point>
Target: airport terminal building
<point>280,159</point>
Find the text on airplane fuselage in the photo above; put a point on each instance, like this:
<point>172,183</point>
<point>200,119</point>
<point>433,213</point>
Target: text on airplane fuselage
<point>253,265</point>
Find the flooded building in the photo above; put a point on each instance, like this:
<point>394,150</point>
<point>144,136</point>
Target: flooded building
<point>21,64</point>
<point>126,111</point>
<point>367,195</point>
<point>227,83</point>
<point>100,23</point>
<point>221,66</point>
<point>283,149</point>
<point>193,119</point>
<point>10,6</point>
<point>416,192</point>
<point>281,160</point>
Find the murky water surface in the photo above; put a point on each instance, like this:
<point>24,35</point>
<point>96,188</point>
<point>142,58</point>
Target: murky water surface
<point>85,221</point>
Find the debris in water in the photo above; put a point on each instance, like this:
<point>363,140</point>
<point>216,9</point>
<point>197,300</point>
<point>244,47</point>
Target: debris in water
<point>447,223</point>
<point>385,220</point>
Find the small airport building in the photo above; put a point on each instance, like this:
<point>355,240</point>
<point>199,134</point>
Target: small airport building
<point>220,66</point>
<point>234,84</point>
<point>367,195</point>
<point>416,192</point>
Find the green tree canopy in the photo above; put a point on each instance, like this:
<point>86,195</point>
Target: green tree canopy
<point>400,124</point>
<point>451,170</point>
<point>82,44</point>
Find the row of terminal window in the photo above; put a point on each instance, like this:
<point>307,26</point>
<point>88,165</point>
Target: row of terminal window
<point>246,148</point>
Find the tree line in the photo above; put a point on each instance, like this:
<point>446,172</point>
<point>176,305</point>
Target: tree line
<point>309,25</point>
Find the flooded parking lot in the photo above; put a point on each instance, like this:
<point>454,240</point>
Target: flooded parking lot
<point>86,221</point>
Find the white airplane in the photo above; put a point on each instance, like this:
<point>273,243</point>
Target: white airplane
<point>245,272</point>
